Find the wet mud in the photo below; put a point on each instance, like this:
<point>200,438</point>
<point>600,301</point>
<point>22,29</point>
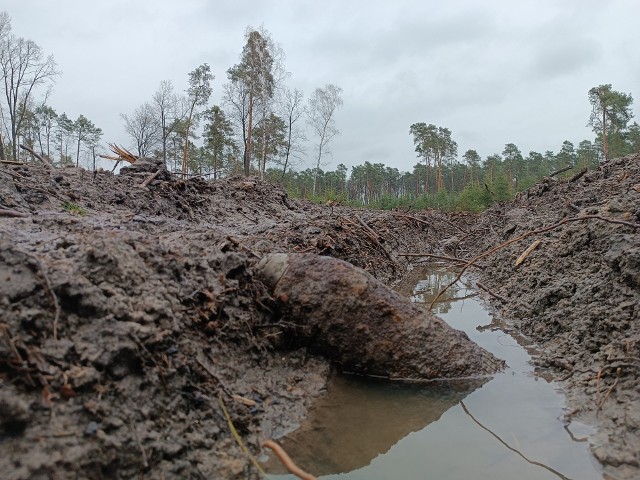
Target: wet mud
<point>132,317</point>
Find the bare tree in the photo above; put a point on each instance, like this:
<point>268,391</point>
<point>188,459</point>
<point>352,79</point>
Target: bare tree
<point>23,68</point>
<point>293,110</point>
<point>170,110</point>
<point>143,127</point>
<point>5,30</point>
<point>323,105</point>
<point>235,100</point>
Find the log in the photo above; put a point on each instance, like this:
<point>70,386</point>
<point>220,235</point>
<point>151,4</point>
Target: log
<point>39,157</point>
<point>345,314</point>
<point>562,170</point>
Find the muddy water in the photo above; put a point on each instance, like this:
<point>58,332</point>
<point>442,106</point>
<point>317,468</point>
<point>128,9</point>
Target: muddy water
<point>508,427</point>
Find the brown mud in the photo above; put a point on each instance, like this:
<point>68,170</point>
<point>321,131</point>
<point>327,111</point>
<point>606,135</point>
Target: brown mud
<point>131,317</point>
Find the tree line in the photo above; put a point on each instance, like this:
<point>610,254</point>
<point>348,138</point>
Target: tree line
<point>24,68</point>
<point>261,120</point>
<point>444,179</point>
<point>264,127</point>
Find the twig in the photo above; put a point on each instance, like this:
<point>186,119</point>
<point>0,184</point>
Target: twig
<point>238,438</point>
<point>578,175</point>
<point>49,289</point>
<point>12,346</point>
<point>522,237</point>
<point>598,379</point>
<point>39,157</point>
<point>411,217</point>
<point>606,395</point>
<point>546,467</point>
<point>223,387</point>
<point>493,294</point>
<point>526,253</point>
<point>150,178</point>
<point>136,438</point>
<point>438,257</point>
<point>287,462</point>
<point>373,236</point>
<point>562,170</point>
<point>12,213</point>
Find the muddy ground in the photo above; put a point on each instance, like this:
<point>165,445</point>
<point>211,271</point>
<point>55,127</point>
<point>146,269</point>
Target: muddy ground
<point>132,317</point>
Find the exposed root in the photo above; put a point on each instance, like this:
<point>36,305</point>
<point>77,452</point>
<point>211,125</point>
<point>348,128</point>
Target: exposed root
<point>526,235</point>
<point>287,462</point>
<point>238,438</point>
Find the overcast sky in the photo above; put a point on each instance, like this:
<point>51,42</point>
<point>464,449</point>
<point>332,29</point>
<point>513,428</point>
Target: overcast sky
<point>493,72</point>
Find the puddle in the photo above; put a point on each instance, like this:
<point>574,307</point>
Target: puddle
<point>508,427</point>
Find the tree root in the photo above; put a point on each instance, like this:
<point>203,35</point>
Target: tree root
<point>287,462</point>
<point>526,235</point>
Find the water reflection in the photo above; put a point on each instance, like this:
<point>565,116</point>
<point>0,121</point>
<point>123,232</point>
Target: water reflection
<point>422,287</point>
<point>360,419</point>
<point>506,428</point>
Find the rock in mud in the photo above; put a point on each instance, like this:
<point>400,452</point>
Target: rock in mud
<point>345,314</point>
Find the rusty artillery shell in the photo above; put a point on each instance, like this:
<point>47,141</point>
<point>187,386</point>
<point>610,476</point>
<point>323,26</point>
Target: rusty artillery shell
<point>345,314</point>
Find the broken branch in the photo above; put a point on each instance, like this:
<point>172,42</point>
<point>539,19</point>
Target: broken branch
<point>150,179</point>
<point>39,157</point>
<point>490,292</point>
<point>522,237</point>
<point>562,170</point>
<point>494,435</point>
<point>438,257</point>
<point>526,253</point>
<point>12,213</point>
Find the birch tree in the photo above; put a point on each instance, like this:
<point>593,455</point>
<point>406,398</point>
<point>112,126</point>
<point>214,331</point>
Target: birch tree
<point>293,111</point>
<point>169,110</point>
<point>23,67</point>
<point>322,108</point>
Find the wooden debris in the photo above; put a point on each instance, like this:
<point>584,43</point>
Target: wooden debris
<point>244,400</point>
<point>492,293</point>
<point>45,161</point>
<point>526,235</point>
<point>578,175</point>
<point>12,213</point>
<point>150,178</point>
<point>526,253</point>
<point>562,170</point>
<point>122,154</point>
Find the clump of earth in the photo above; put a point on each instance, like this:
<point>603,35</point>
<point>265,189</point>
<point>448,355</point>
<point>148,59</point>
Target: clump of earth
<point>137,337</point>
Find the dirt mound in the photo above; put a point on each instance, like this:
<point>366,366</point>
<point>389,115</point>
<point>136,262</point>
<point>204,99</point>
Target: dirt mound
<point>577,294</point>
<point>127,310</point>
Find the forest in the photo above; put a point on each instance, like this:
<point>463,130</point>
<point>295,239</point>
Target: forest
<point>264,127</point>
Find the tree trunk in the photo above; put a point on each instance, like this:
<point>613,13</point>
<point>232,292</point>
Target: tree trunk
<point>286,157</point>
<point>186,142</point>
<point>247,151</point>
<point>604,132</point>
<point>78,153</point>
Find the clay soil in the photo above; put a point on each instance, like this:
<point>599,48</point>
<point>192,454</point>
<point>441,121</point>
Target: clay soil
<point>132,320</point>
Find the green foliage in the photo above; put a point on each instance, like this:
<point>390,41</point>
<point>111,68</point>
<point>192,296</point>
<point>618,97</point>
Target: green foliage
<point>73,208</point>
